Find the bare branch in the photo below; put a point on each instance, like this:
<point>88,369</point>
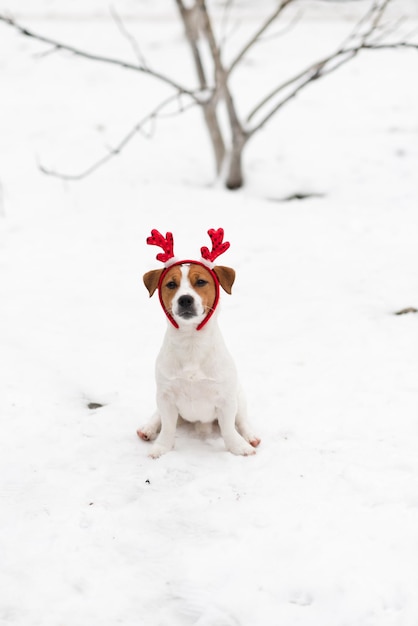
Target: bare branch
<point>390,46</point>
<point>309,74</point>
<point>345,53</point>
<point>304,79</point>
<point>379,12</point>
<point>102,59</point>
<point>130,38</point>
<point>45,53</point>
<point>138,128</point>
<point>283,4</point>
<point>224,22</point>
<point>286,28</point>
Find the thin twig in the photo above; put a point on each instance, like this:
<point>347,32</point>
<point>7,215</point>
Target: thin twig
<point>384,32</point>
<point>308,79</point>
<point>128,36</point>
<point>113,152</point>
<point>308,72</point>
<point>364,20</point>
<point>96,57</point>
<point>45,53</point>
<point>390,46</point>
<point>283,4</point>
<point>286,28</point>
<point>224,23</point>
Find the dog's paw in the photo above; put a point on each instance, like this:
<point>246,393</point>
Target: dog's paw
<point>158,450</point>
<point>146,434</point>
<point>254,441</point>
<point>250,437</point>
<point>241,448</point>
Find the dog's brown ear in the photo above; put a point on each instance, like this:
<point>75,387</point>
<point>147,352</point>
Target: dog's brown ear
<point>151,280</point>
<point>226,276</point>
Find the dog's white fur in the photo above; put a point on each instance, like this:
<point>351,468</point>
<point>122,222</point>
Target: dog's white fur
<point>197,380</point>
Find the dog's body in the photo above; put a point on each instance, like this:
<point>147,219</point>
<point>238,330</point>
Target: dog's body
<point>195,374</point>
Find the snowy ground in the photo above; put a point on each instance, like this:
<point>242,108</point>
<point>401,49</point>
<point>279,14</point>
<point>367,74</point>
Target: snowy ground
<point>320,528</point>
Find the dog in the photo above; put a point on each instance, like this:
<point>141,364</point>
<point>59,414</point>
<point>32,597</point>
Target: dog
<point>195,374</point>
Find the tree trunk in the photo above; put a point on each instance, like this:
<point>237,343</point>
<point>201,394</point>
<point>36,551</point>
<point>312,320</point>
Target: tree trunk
<point>191,19</point>
<point>235,177</point>
<point>215,135</point>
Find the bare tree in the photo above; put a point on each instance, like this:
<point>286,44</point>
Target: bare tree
<point>213,88</point>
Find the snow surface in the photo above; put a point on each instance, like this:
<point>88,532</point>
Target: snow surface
<point>320,527</point>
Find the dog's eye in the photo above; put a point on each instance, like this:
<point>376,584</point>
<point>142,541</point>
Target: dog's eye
<point>171,284</point>
<point>201,282</point>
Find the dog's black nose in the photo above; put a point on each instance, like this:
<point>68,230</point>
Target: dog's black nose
<point>186,302</point>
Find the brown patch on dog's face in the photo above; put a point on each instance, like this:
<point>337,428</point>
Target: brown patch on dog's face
<point>170,286</point>
<point>202,282</point>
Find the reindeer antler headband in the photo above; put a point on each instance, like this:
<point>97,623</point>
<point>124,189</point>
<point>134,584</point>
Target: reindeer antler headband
<point>219,246</point>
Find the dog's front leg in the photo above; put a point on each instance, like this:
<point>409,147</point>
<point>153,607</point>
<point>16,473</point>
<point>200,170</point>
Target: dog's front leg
<point>233,440</point>
<point>241,421</point>
<point>169,416</point>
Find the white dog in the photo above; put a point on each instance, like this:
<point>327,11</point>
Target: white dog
<point>195,374</point>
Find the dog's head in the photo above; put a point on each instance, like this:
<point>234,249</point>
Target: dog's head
<point>189,290</point>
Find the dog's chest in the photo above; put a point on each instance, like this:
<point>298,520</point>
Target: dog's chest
<point>196,399</point>
<point>195,381</point>
<point>182,377</point>
<point>191,361</point>
<point>193,392</point>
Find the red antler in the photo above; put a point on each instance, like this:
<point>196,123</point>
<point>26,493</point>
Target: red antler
<point>166,244</point>
<point>218,245</point>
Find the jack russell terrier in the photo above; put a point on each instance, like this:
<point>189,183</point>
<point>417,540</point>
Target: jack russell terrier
<point>195,374</point>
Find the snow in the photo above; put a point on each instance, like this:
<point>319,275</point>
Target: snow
<point>320,527</point>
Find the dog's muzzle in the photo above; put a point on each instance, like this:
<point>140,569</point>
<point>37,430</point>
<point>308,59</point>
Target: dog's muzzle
<point>186,307</point>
